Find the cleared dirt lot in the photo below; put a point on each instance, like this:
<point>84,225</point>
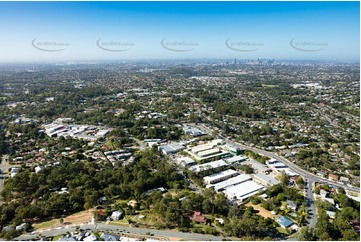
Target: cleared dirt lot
<point>263,212</point>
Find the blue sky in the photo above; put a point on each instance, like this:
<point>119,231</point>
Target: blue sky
<point>280,30</point>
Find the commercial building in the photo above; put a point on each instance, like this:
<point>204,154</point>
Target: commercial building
<point>242,191</point>
<point>171,148</point>
<point>186,161</point>
<point>208,166</point>
<point>265,180</point>
<point>257,166</point>
<point>233,149</point>
<point>236,159</point>
<point>201,148</point>
<point>221,176</point>
<point>209,152</point>
<point>192,131</point>
<point>220,186</point>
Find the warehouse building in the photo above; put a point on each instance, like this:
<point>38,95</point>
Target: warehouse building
<point>265,180</point>
<point>218,177</point>
<point>208,166</point>
<point>236,159</point>
<point>209,152</point>
<point>186,161</point>
<point>242,191</point>
<point>257,166</point>
<point>220,186</point>
<point>171,148</point>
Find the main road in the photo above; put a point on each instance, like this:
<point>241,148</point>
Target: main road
<point>119,229</point>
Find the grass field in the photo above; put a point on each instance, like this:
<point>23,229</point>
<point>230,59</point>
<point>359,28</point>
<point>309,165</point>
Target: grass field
<point>48,224</point>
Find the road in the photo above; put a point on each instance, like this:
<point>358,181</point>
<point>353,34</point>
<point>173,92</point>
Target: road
<point>3,168</point>
<point>118,229</point>
<point>139,143</point>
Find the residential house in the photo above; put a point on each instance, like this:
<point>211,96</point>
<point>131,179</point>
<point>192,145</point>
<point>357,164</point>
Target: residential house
<point>344,179</point>
<point>109,237</point>
<point>198,217</point>
<point>67,238</point>
<point>116,215</point>
<point>333,177</point>
<point>331,214</point>
<point>321,173</point>
<point>91,237</point>
<point>20,227</point>
<point>355,225</point>
<point>323,193</point>
<point>291,205</point>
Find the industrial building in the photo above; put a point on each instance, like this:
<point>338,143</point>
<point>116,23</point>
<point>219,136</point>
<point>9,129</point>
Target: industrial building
<point>201,148</point>
<point>192,131</point>
<point>208,166</point>
<point>186,161</point>
<point>230,182</point>
<point>171,148</point>
<point>265,179</point>
<point>236,159</point>
<point>233,149</point>
<point>209,152</point>
<point>242,191</point>
<point>221,176</point>
<point>257,166</point>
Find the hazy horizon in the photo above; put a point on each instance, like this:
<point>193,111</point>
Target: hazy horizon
<point>121,31</point>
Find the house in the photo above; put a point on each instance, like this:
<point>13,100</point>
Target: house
<point>291,205</point>
<point>116,215</point>
<point>38,168</point>
<point>284,222</point>
<point>323,193</point>
<point>333,177</point>
<point>91,237</point>
<point>198,217</point>
<point>321,173</point>
<point>109,237</point>
<point>100,212</point>
<point>67,238</point>
<point>20,227</point>
<point>331,214</point>
<point>355,225</point>
<point>7,228</point>
<point>344,179</point>
<point>220,220</point>
<point>330,200</point>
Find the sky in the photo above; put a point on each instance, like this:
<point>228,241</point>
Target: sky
<point>71,31</point>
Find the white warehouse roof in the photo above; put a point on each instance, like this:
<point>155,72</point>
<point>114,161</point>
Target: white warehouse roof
<point>207,166</point>
<point>219,176</point>
<point>230,182</point>
<point>243,190</point>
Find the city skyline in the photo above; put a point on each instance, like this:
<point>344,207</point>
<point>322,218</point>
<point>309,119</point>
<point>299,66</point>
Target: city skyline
<point>72,31</point>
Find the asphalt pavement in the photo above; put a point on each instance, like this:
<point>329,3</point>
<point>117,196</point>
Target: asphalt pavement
<point>118,229</point>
